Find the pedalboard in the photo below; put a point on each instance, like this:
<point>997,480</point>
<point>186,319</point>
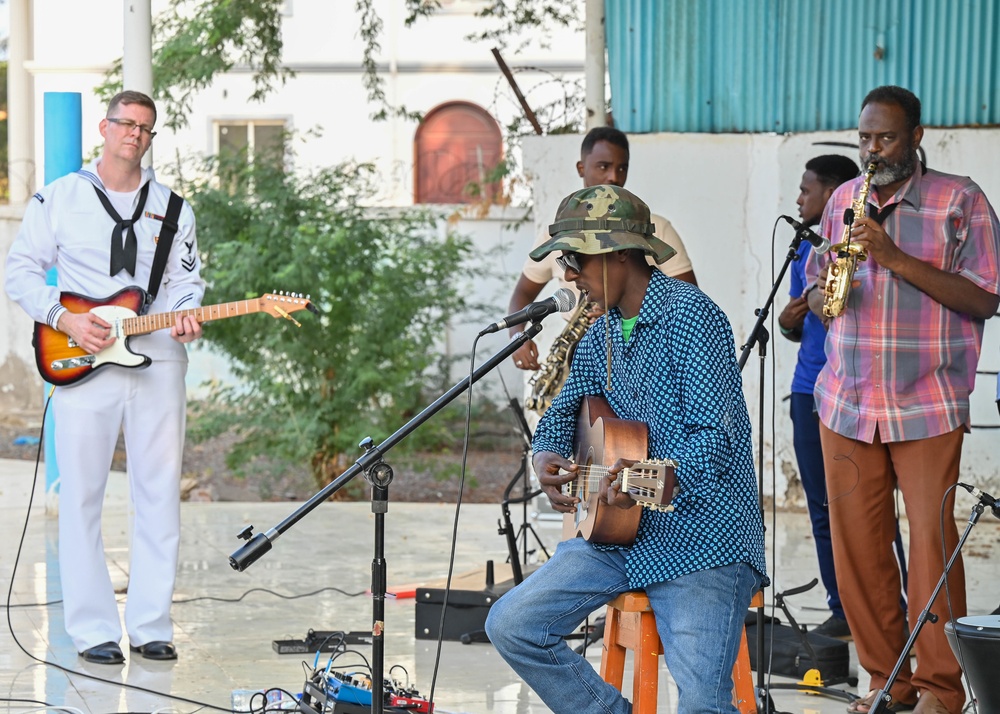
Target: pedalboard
<point>347,692</point>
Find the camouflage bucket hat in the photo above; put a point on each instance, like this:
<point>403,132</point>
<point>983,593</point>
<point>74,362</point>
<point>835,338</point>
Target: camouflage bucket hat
<point>601,219</point>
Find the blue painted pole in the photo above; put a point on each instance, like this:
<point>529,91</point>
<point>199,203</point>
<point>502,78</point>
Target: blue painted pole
<point>63,155</point>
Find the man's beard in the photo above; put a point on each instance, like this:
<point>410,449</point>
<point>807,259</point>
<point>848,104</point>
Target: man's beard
<point>890,173</point>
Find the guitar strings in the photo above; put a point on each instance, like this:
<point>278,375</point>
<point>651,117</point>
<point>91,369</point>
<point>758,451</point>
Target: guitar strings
<point>589,477</point>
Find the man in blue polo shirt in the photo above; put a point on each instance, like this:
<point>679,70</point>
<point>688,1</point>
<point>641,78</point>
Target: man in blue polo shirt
<point>822,175</point>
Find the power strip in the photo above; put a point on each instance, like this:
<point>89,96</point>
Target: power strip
<point>322,641</point>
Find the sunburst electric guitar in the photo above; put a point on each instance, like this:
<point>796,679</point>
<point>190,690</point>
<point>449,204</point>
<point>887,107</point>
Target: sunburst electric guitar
<point>601,439</point>
<point>61,361</point>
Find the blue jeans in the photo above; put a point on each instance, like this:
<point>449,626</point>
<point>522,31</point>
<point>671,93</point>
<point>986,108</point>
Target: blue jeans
<point>699,618</point>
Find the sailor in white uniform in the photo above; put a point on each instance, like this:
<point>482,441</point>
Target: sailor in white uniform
<point>69,225</point>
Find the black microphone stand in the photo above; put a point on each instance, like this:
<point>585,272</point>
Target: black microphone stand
<point>759,336</point>
<point>506,526</point>
<point>379,474</point>
<point>883,699</point>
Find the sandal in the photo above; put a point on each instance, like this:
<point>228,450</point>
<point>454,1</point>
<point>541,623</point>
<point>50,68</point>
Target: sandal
<point>862,705</point>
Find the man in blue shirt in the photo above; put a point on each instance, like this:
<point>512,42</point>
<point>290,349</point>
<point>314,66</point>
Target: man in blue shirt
<point>663,355</point>
<point>823,174</point>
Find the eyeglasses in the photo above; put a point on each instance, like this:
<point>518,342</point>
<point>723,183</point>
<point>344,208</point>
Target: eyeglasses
<point>569,261</point>
<point>129,126</point>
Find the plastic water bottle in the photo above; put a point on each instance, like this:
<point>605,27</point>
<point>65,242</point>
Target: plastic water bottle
<point>241,698</point>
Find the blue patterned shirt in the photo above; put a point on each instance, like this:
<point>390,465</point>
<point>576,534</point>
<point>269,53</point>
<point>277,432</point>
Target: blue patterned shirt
<point>677,374</point>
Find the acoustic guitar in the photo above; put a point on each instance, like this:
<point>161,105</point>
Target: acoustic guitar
<point>601,439</point>
<point>61,361</point>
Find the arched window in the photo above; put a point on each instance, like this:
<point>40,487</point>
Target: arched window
<point>457,144</point>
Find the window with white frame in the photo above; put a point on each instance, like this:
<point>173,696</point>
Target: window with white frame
<point>258,138</point>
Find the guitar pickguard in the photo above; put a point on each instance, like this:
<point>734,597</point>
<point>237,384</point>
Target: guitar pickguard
<point>118,352</point>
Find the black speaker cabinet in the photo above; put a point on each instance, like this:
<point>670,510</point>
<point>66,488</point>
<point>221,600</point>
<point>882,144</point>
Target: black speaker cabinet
<point>472,595</point>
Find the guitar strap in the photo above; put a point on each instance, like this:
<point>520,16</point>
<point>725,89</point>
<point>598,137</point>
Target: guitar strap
<point>163,244</point>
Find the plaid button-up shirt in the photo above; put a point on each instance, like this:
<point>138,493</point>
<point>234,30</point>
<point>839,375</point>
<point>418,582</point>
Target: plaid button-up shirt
<point>898,359</point>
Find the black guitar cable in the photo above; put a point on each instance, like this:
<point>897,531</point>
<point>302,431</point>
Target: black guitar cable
<point>10,594</point>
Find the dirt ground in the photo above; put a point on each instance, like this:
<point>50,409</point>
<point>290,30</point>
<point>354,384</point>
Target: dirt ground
<point>418,478</point>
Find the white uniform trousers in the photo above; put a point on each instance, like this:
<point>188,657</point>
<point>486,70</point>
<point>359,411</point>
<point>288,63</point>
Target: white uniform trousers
<point>150,405</point>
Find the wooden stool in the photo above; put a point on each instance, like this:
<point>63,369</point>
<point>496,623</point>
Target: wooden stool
<point>631,625</point>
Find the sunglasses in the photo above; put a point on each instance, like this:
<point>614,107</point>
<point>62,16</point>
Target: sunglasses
<point>569,261</point>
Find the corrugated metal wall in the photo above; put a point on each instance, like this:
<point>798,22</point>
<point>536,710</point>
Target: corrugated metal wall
<point>798,65</point>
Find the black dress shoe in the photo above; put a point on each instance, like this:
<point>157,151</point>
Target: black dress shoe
<point>157,649</point>
<point>107,653</point>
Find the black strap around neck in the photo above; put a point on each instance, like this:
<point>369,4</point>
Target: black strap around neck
<point>163,244</point>
<point>123,252</point>
<point>881,214</point>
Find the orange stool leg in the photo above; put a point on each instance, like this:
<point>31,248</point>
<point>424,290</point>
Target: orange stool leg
<point>612,654</point>
<point>744,691</point>
<point>646,661</point>
<point>631,625</point>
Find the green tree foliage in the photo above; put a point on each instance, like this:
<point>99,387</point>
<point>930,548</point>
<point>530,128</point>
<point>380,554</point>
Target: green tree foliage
<point>384,285</point>
<point>507,20</point>
<point>504,21</point>
<point>197,39</point>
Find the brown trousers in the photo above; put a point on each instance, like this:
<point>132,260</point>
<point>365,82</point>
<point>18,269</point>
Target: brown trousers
<point>860,481</point>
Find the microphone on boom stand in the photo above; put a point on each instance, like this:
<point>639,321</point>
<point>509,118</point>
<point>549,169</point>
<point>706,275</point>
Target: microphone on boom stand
<point>819,243</point>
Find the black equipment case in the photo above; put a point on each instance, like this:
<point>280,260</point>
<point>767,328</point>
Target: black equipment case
<point>785,652</point>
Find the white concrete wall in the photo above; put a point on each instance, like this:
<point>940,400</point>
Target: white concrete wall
<point>723,194</point>
<point>20,386</point>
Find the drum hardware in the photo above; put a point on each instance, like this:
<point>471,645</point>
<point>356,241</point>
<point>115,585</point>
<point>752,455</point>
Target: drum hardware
<point>883,699</point>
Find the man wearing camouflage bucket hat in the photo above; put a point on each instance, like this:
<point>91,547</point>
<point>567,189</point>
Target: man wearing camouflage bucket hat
<point>665,357</point>
<point>600,219</point>
<point>604,159</point>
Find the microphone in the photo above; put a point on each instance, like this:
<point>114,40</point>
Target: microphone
<point>984,498</point>
<point>819,243</point>
<point>562,301</point>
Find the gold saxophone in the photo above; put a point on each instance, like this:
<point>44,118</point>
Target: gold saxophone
<point>547,381</point>
<point>838,280</point>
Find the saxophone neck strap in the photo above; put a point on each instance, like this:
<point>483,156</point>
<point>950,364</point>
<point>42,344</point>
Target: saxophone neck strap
<point>881,214</point>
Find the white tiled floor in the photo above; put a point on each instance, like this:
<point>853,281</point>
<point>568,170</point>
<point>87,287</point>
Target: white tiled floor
<point>227,645</point>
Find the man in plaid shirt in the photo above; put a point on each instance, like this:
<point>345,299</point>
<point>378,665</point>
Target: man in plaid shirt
<point>893,397</point>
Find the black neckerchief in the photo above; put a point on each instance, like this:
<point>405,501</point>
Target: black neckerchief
<point>123,253</point>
